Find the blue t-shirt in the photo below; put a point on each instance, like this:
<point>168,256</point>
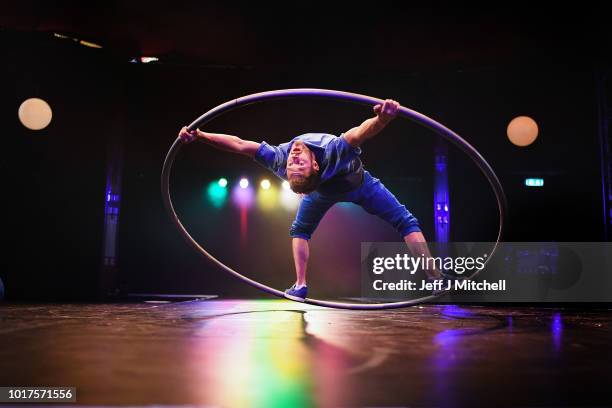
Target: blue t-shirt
<point>339,163</point>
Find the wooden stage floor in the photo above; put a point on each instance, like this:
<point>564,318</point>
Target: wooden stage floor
<point>275,353</point>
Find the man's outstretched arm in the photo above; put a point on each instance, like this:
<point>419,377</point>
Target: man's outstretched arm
<point>229,143</point>
<point>385,113</point>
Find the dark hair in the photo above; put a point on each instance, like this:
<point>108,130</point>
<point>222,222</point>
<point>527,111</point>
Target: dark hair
<point>305,185</point>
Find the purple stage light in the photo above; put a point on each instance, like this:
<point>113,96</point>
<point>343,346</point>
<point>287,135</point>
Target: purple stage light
<point>441,195</point>
<point>243,196</point>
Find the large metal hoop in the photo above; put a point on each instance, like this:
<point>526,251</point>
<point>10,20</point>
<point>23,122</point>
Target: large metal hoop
<point>440,129</point>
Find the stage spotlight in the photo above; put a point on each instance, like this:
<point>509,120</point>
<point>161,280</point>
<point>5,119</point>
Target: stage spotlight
<point>522,131</point>
<point>243,197</point>
<point>222,182</point>
<point>267,196</point>
<point>35,114</point>
<point>244,183</point>
<point>216,194</point>
<point>286,185</point>
<point>289,200</point>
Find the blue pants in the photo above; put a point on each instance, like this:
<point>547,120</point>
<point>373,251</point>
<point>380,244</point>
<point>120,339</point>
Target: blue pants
<point>372,196</point>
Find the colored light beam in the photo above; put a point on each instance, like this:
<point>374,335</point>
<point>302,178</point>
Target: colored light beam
<point>243,198</point>
<point>267,199</point>
<point>216,194</point>
<point>289,200</point>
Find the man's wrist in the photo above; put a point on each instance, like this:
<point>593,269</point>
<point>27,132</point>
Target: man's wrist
<point>382,122</point>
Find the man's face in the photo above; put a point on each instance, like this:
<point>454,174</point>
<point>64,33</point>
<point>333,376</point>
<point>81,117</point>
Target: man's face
<point>300,162</point>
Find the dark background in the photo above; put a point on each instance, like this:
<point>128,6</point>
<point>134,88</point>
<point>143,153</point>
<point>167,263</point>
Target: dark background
<point>472,70</point>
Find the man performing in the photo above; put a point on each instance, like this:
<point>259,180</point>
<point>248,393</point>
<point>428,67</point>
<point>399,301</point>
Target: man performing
<point>327,169</point>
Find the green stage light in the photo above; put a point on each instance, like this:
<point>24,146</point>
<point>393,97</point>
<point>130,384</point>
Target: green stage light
<point>217,194</point>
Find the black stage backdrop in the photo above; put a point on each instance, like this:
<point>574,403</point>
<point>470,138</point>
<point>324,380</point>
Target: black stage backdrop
<point>54,179</point>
